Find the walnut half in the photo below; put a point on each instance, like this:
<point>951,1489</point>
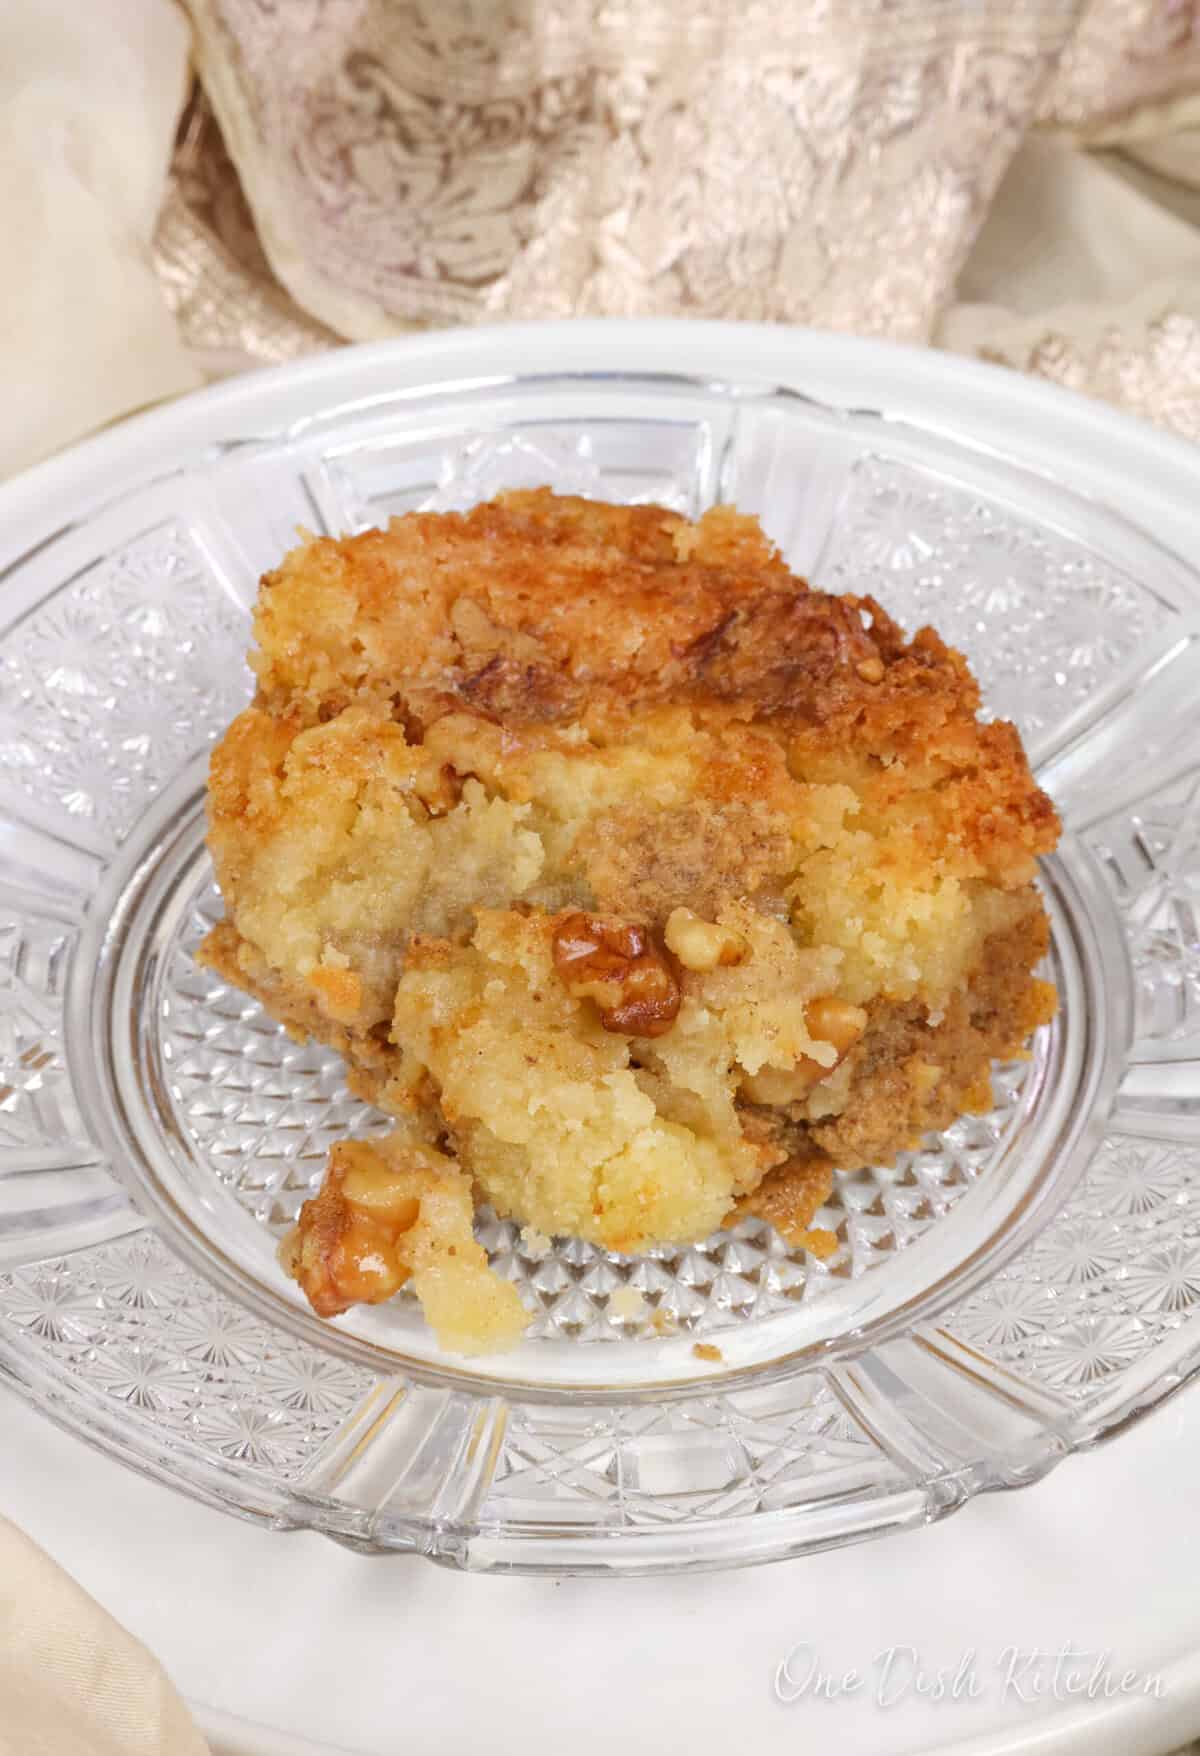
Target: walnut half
<point>619,966</point>
<point>393,1212</point>
<point>345,1248</point>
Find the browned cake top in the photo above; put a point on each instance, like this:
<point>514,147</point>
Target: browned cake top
<point>535,609</point>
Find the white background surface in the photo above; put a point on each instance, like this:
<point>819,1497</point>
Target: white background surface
<point>383,1656</point>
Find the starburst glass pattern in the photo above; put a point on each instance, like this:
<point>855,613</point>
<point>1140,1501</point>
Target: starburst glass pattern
<point>1043,620</point>
<point>1115,1272</point>
<point>111,686</point>
<point>128,1323</point>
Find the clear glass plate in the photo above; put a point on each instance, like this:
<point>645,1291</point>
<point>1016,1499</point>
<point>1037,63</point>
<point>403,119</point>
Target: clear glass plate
<point>1010,1292</point>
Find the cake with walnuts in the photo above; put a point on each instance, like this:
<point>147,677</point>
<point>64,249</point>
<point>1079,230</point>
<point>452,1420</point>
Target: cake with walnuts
<point>641,884</point>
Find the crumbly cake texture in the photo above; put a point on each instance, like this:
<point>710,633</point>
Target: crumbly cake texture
<point>641,884</point>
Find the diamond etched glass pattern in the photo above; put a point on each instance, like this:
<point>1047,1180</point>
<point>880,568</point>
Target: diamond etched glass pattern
<point>1007,1291</point>
<point>262,1112</point>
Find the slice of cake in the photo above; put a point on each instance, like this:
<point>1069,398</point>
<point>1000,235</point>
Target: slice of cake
<point>640,883</point>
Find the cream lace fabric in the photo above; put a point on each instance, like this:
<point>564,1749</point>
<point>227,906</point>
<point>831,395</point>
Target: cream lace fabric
<point>966,175</point>
<point>1017,179</point>
<point>442,162</point>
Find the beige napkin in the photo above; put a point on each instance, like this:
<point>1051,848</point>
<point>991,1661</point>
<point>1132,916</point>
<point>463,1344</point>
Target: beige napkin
<point>89,98</point>
<point>1083,274</point>
<point>72,1682</point>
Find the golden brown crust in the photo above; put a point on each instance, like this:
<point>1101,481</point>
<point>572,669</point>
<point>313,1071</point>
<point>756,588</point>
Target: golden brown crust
<point>534,608</point>
<point>537,609</point>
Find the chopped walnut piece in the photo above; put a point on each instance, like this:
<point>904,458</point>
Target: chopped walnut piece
<point>439,788</point>
<point>618,965</point>
<point>389,1211</point>
<point>829,1021</point>
<point>702,945</point>
<point>837,1022</point>
<point>344,1250</point>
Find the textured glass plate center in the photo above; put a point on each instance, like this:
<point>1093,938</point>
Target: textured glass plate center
<point>257,1113</point>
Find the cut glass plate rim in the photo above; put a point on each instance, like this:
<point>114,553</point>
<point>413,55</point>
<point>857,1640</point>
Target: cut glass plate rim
<point>725,1541</point>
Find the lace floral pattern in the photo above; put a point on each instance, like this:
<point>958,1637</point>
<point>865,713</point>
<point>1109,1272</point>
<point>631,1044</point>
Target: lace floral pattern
<point>1124,54</point>
<point>1151,368</point>
<point>211,266</point>
<point>444,161</point>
